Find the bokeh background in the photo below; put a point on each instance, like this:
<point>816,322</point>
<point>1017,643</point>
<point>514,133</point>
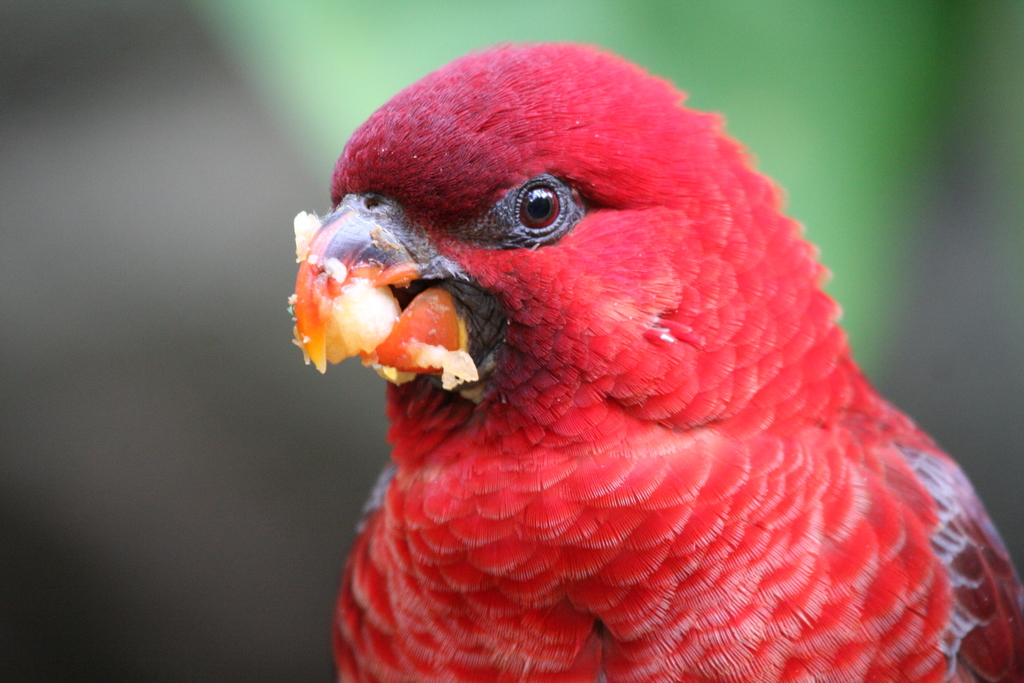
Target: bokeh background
<point>177,491</point>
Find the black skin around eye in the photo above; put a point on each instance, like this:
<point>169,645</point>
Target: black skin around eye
<point>537,213</point>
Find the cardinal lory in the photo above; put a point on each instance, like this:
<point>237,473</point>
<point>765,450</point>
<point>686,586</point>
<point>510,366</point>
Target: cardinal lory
<point>629,440</point>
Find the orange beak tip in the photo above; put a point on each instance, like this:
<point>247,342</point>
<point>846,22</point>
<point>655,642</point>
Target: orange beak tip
<point>311,352</point>
<point>316,354</point>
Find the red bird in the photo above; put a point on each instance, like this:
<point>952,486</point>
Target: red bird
<point>630,443</point>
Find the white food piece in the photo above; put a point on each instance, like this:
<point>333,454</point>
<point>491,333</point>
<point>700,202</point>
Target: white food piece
<point>336,269</point>
<point>301,342</point>
<point>306,225</point>
<point>457,366</point>
<point>358,319</point>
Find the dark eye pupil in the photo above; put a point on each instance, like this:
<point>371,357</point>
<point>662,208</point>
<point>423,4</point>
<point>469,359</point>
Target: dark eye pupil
<point>539,208</point>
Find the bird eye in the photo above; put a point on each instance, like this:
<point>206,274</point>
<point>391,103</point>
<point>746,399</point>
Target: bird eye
<point>539,212</point>
<point>538,207</point>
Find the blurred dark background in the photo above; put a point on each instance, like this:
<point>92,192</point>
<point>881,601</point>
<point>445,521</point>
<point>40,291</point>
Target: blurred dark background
<point>177,491</point>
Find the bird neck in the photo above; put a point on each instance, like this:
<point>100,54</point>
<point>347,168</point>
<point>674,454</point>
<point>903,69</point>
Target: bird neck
<point>570,416</point>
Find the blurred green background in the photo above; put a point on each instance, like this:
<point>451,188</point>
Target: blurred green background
<point>177,492</point>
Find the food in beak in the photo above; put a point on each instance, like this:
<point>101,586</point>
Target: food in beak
<point>347,309</point>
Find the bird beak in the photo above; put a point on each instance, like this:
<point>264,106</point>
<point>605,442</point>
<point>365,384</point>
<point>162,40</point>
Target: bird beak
<point>359,292</point>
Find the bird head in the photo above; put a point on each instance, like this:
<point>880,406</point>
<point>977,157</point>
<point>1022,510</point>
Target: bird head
<point>547,226</point>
